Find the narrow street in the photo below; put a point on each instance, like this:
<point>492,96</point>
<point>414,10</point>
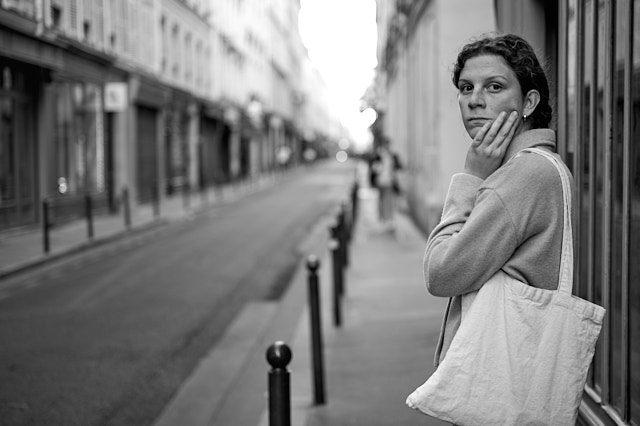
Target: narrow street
<point>108,337</point>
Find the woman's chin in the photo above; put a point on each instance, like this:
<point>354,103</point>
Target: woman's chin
<point>473,131</point>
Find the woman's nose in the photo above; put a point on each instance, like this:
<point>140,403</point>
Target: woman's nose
<point>476,99</point>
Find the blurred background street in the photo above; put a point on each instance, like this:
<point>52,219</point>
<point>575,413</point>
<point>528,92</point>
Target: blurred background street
<point>165,164</point>
<point>108,337</point>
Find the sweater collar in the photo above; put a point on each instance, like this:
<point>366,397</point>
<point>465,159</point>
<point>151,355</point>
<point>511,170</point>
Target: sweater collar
<point>538,138</point>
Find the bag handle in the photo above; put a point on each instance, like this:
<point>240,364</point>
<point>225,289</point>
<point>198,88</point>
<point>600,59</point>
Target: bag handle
<point>565,278</point>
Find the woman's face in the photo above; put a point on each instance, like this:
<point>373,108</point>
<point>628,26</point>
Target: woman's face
<point>487,86</point>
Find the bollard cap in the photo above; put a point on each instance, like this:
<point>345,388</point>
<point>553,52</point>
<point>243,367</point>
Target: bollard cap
<point>279,355</point>
<point>312,262</point>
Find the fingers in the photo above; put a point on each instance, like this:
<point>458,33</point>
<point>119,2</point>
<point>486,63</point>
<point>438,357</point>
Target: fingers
<point>480,136</point>
<point>509,128</point>
<point>493,135</point>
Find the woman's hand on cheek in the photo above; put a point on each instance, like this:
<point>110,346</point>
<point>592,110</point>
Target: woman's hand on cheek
<point>487,150</point>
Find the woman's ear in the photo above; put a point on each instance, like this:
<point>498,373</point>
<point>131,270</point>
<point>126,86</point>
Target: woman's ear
<point>531,100</point>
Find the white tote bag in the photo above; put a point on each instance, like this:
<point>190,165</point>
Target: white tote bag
<point>521,354</point>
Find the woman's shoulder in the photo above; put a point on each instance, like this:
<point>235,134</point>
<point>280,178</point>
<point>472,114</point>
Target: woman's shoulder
<point>526,176</point>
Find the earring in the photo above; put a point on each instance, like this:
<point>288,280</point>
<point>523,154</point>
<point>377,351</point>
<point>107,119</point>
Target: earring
<point>524,118</point>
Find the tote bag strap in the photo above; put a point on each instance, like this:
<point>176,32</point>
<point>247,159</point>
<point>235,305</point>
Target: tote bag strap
<point>565,278</point>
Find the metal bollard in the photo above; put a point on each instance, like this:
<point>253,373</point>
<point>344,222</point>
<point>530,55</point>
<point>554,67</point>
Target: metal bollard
<point>186,195</point>
<point>316,331</point>
<point>334,246</point>
<point>88,207</point>
<point>344,235</point>
<point>338,255</point>
<point>278,356</point>
<point>204,196</point>
<point>155,199</point>
<point>126,207</point>
<point>45,226</point>
<point>354,205</point>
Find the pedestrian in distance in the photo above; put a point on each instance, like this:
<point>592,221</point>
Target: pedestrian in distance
<point>503,218</point>
<point>385,167</point>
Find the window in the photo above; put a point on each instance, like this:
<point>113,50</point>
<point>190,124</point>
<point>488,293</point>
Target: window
<point>73,16</point>
<point>603,143</point>
<point>56,16</point>
<point>619,241</point>
<point>79,137</point>
<point>17,160</point>
<point>86,30</point>
<point>634,218</point>
<point>188,58</point>
<point>163,50</point>
<point>25,7</point>
<point>571,121</point>
<point>175,52</point>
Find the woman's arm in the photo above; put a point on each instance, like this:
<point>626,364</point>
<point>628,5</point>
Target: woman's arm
<point>474,239</point>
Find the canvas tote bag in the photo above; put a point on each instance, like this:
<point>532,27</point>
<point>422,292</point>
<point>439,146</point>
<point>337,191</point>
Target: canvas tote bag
<point>521,354</point>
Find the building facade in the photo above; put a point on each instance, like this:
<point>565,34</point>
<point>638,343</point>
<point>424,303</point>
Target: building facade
<point>592,54</point>
<point>598,113</point>
<point>414,97</point>
<point>152,96</point>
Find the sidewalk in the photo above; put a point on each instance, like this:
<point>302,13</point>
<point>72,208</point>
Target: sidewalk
<point>23,248</point>
<point>385,347</point>
<point>381,353</point>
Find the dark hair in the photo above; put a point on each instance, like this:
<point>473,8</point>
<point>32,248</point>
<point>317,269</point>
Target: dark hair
<point>522,59</point>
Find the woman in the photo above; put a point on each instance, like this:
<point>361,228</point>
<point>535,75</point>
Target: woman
<point>505,212</point>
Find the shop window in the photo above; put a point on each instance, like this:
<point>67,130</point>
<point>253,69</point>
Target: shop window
<point>619,328</point>
<point>598,202</point>
<point>603,132</point>
<point>571,120</point>
<point>634,218</point>
<point>17,161</point>
<point>79,138</point>
<point>583,169</point>
<point>7,162</point>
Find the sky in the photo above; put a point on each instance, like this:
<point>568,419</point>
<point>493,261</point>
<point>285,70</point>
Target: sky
<point>341,38</point>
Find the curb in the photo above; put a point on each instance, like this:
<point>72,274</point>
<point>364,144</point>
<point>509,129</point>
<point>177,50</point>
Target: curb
<point>200,399</point>
<point>93,243</point>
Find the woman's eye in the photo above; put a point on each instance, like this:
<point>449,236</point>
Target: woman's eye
<point>465,88</point>
<point>494,87</point>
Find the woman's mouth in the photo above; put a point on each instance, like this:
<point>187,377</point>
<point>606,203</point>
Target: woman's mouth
<point>478,121</point>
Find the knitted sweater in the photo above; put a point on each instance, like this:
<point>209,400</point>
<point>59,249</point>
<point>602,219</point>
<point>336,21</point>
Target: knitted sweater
<point>512,220</point>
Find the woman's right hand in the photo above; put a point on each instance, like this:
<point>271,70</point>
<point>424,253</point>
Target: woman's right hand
<point>487,150</point>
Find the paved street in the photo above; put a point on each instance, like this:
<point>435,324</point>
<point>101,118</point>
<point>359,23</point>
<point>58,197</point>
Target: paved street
<point>107,337</point>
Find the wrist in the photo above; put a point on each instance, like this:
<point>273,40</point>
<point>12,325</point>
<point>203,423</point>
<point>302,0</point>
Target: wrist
<point>476,173</point>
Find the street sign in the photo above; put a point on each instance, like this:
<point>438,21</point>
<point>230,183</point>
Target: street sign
<point>115,97</point>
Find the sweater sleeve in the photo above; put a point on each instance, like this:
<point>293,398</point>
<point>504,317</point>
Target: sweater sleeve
<point>473,240</point>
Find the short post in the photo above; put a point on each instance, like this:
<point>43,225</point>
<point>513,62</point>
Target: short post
<point>316,331</point>
<point>45,225</point>
<point>338,255</point>
<point>344,234</point>
<point>186,196</point>
<point>218,192</point>
<point>278,356</point>
<point>126,207</point>
<point>155,199</point>
<point>89,213</point>
<point>354,204</point>
<point>334,246</point>
<point>204,197</point>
